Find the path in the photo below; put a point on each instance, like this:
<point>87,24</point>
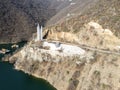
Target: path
<point>91,48</point>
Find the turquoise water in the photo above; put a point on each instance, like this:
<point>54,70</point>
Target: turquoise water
<point>10,79</point>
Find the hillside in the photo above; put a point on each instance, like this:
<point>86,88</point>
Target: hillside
<point>94,71</point>
<point>104,12</point>
<point>69,9</point>
<point>72,66</point>
<point>18,18</point>
<point>77,53</point>
<point>59,4</point>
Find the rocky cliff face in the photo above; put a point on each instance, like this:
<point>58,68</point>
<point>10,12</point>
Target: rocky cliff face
<point>91,34</point>
<point>92,70</point>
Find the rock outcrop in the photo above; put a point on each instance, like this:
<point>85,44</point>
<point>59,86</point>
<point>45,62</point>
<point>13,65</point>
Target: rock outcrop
<point>89,71</point>
<point>74,69</point>
<point>92,34</point>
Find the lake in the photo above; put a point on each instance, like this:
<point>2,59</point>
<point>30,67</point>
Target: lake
<point>10,79</point>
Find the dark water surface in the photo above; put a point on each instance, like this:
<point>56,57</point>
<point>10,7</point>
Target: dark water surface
<point>10,79</point>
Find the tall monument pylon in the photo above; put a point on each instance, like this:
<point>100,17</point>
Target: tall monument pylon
<point>39,33</point>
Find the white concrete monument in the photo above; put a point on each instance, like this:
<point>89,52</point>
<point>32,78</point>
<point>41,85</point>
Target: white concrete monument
<point>41,36</point>
<point>39,33</point>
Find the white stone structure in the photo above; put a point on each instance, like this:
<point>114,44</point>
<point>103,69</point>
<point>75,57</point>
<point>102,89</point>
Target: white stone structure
<point>39,33</point>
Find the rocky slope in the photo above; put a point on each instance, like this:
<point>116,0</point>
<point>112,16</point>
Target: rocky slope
<point>104,12</point>
<point>91,71</point>
<point>92,34</point>
<point>69,9</point>
<point>95,69</point>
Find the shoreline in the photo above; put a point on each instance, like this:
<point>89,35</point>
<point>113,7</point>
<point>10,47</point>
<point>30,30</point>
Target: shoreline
<point>67,72</point>
<point>34,75</point>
